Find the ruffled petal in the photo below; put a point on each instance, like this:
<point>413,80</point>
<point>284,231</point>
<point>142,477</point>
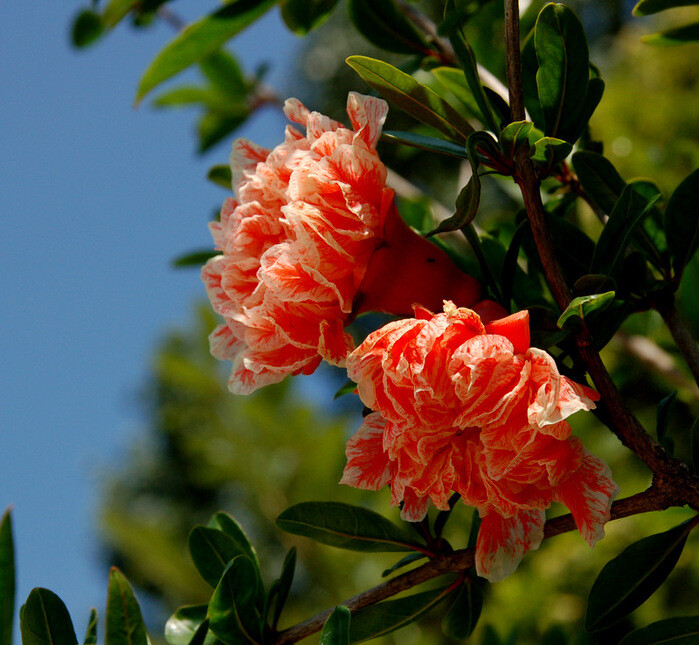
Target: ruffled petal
<point>368,466</point>
<point>367,115</point>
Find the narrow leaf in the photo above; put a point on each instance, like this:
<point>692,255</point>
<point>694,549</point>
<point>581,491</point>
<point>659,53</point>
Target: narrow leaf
<point>425,142</point>
<point>462,617</point>
<point>412,97</point>
<point>302,16</point>
<point>116,11</point>
<point>403,562</point>
<point>336,630</point>
<point>347,388</point>
<point>467,203</point>
<point>124,623</point>
<point>7,579</point>
<point>91,631</point>
<point>200,39</point>
<point>195,259</point>
<point>662,419</point>
<point>385,617</point>
<point>184,623</point>
<point>673,631</point>
<point>626,215</point>
<point>563,58</point>
<point>675,36</point>
<point>583,307</point>
<point>233,614</point>
<point>632,577</point>
<point>682,222</point>
<point>345,526</point>
<point>383,24</point>
<point>45,620</point>
<point>647,7</point>
<point>453,80</point>
<point>285,580</point>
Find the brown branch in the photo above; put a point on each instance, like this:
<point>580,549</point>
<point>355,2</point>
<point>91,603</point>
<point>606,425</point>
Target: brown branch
<point>653,499</point>
<point>683,337</point>
<point>514,66</point>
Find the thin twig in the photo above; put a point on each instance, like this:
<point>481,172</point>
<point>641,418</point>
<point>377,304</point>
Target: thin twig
<point>514,66</point>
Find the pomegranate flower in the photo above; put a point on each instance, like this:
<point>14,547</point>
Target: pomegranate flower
<point>312,222</point>
<point>463,404</point>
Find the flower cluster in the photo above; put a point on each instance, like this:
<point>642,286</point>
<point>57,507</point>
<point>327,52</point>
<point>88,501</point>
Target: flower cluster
<point>312,222</point>
<point>465,405</point>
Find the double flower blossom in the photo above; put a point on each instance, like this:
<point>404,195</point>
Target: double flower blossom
<point>461,402</point>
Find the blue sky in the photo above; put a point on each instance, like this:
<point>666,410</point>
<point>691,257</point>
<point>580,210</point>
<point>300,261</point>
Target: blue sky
<point>96,198</point>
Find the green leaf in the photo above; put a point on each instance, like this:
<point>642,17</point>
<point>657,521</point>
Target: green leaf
<point>195,259</point>
<point>385,617</point>
<point>632,577</point>
<point>530,66</point>
<point>285,580</point>
<point>221,176</point>
<point>385,26</point>
<point>662,418</point>
<point>199,39</point>
<point>302,16</point>
<point>233,614</point>
<point>514,136</point>
<point>346,527</point>
<point>213,128</point>
<point>124,623</point>
<point>116,10</point>
<point>224,72</point>
<point>7,579</point>
<point>462,617</point>
<point>454,81</point>
<point>564,63</point>
<point>186,95</point>
<point>626,215</point>
<point>599,178</point>
<point>45,620</point>
<point>184,623</point>
<point>211,550</point>
<point>87,28</point>
<point>682,222</point>
<point>672,631</point>
<point>583,307</point>
<point>469,64</point>
<point>675,36</point>
<point>412,97</point>
<point>347,388</point>
<point>549,151</point>
<point>403,562</point>
<point>466,207</point>
<point>233,530</point>
<point>695,445</point>
<point>91,631</point>
<point>595,91</point>
<point>647,7</point>
<point>425,142</point>
<point>336,630</point>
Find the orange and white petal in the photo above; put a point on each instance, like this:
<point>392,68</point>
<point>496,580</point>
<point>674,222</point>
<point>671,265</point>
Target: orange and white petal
<point>367,115</point>
<point>502,542</point>
<point>245,155</point>
<point>368,466</point>
<point>414,506</point>
<point>589,493</point>
<point>334,344</point>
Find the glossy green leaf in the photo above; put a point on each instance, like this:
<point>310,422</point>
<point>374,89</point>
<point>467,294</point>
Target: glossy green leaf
<point>682,222</point>
<point>467,202</point>
<point>633,576</point>
<point>345,526</point>
<point>549,151</point>
<point>186,95</point>
<point>530,66</point>
<point>562,77</point>
<point>347,388</point>
<point>233,614</point>
<point>195,259</point>
<point>675,36</point>
<point>673,631</point>
<point>454,81</point>
<point>45,620</point>
<point>662,419</point>
<point>285,580</point>
<point>384,25</point>
<point>116,11</point>
<point>211,550</point>
<point>199,39</point>
<point>412,97</point>
<point>336,630</point>
<point>7,579</point>
<point>184,623</point>
<point>514,136</point>
<point>462,617</point>
<point>648,7</point>
<point>91,631</point>
<point>583,307</point>
<point>87,28</point>
<point>302,16</point>
<point>599,178</point>
<point>425,142</point>
<point>387,616</point>
<point>595,91</point>
<point>626,215</point>
<point>403,562</point>
<point>223,71</point>
<point>221,176</point>
<point>124,623</point>
<point>469,64</point>
<point>233,530</point>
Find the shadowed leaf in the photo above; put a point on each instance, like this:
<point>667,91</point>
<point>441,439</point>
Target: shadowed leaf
<point>45,620</point>
<point>336,630</point>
